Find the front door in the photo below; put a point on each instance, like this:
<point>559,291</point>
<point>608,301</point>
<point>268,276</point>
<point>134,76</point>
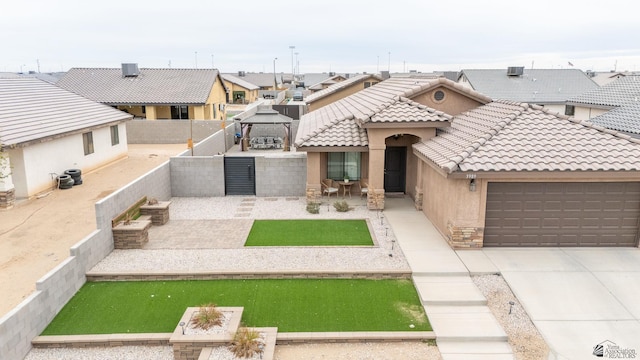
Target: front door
<point>395,164</point>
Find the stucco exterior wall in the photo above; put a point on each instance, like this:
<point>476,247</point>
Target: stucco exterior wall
<point>35,164</point>
<point>586,113</point>
<point>558,108</point>
<point>217,96</point>
<point>448,203</point>
<point>453,103</point>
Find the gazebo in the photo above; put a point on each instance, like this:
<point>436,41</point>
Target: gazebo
<point>265,115</point>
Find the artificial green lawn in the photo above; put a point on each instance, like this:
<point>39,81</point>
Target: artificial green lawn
<point>309,233</point>
<point>292,305</point>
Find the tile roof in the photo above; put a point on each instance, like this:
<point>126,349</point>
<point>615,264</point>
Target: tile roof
<point>260,79</point>
<point>537,86</point>
<point>625,119</point>
<point>405,110</point>
<point>393,94</point>
<point>151,86</point>
<point>623,91</point>
<point>510,136</point>
<point>311,79</point>
<point>336,87</point>
<point>241,82</point>
<point>31,109</point>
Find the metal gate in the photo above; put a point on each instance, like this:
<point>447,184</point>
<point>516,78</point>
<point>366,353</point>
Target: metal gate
<point>239,175</point>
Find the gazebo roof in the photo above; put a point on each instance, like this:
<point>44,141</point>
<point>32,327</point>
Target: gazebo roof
<point>266,115</point>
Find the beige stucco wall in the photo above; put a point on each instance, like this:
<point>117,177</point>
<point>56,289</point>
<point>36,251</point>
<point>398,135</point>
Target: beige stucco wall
<point>450,200</point>
<point>453,103</point>
<point>586,113</point>
<point>217,96</point>
<point>135,110</point>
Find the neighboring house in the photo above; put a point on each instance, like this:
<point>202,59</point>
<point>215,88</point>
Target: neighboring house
<point>547,87</point>
<point>615,105</point>
<point>603,78</point>
<point>340,90</point>
<point>485,173</point>
<point>241,91</point>
<point>45,130</point>
<point>310,79</point>
<point>152,94</point>
<point>265,81</point>
<point>333,79</point>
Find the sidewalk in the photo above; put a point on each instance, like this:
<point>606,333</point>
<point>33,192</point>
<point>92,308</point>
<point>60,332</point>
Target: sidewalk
<point>464,325</point>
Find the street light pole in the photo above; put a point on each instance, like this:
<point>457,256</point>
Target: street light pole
<point>292,47</point>
<point>275,80</point>
<point>297,67</point>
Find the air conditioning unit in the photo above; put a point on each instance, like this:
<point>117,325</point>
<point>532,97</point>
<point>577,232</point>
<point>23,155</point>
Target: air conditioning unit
<point>241,73</point>
<point>130,70</point>
<point>515,70</point>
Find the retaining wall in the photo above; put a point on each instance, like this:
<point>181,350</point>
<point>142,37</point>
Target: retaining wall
<point>27,320</point>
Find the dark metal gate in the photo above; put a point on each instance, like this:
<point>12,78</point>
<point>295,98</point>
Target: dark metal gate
<point>239,175</point>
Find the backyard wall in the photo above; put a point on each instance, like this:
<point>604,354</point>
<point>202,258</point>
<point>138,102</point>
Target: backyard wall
<point>169,131</point>
<point>27,320</point>
<point>281,175</point>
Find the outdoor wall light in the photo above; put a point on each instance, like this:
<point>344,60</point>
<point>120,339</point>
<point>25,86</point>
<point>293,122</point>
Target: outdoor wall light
<point>182,326</point>
<point>511,303</point>
<point>472,185</point>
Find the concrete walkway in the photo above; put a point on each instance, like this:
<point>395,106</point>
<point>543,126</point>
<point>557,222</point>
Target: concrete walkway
<point>464,325</point>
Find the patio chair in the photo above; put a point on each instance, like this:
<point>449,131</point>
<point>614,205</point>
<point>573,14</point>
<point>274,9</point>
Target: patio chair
<point>364,187</point>
<point>328,188</point>
<point>278,142</point>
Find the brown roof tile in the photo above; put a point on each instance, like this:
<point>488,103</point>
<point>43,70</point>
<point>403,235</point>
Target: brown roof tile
<point>365,104</point>
<point>509,136</point>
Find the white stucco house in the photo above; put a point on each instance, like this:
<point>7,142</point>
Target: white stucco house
<point>45,130</point>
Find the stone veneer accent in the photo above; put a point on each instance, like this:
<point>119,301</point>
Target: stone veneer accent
<point>464,237</point>
<point>7,198</point>
<point>417,200</point>
<point>188,347</point>
<point>314,195</point>
<point>132,236</point>
<point>159,212</point>
<point>375,199</point>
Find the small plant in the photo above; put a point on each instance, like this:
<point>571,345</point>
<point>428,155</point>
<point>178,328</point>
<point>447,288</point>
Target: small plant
<point>346,178</point>
<point>152,201</point>
<point>128,217</point>
<point>313,207</point>
<point>246,343</point>
<point>341,206</point>
<point>207,317</point>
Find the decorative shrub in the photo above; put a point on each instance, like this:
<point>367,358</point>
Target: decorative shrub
<point>313,207</point>
<point>341,206</point>
<point>246,343</point>
<point>207,317</point>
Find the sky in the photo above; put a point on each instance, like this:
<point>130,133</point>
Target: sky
<point>328,35</point>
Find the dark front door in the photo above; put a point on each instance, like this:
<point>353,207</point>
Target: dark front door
<point>395,164</point>
<point>239,175</point>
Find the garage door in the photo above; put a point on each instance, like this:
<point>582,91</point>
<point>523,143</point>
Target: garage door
<point>562,214</point>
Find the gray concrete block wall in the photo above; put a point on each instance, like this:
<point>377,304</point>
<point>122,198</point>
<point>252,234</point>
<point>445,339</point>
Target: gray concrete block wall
<point>198,176</point>
<point>215,143</point>
<point>53,291</point>
<point>281,175</point>
<point>169,131</point>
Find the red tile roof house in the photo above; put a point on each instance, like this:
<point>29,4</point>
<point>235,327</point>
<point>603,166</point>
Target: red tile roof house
<point>45,130</point>
<point>485,173</point>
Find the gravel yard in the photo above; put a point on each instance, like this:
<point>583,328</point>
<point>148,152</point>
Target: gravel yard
<point>524,338</point>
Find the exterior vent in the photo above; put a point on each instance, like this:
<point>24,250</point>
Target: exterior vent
<point>130,70</point>
<point>515,70</point>
<point>241,73</point>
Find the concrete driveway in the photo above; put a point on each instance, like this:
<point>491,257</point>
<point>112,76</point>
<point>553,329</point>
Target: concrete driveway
<point>577,297</point>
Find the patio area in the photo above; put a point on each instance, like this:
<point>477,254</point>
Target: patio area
<point>208,234</point>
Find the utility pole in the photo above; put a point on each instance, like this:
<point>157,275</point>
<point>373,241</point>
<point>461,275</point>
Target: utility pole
<point>196,59</point>
<point>389,66</point>
<point>275,79</point>
<point>292,47</point>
